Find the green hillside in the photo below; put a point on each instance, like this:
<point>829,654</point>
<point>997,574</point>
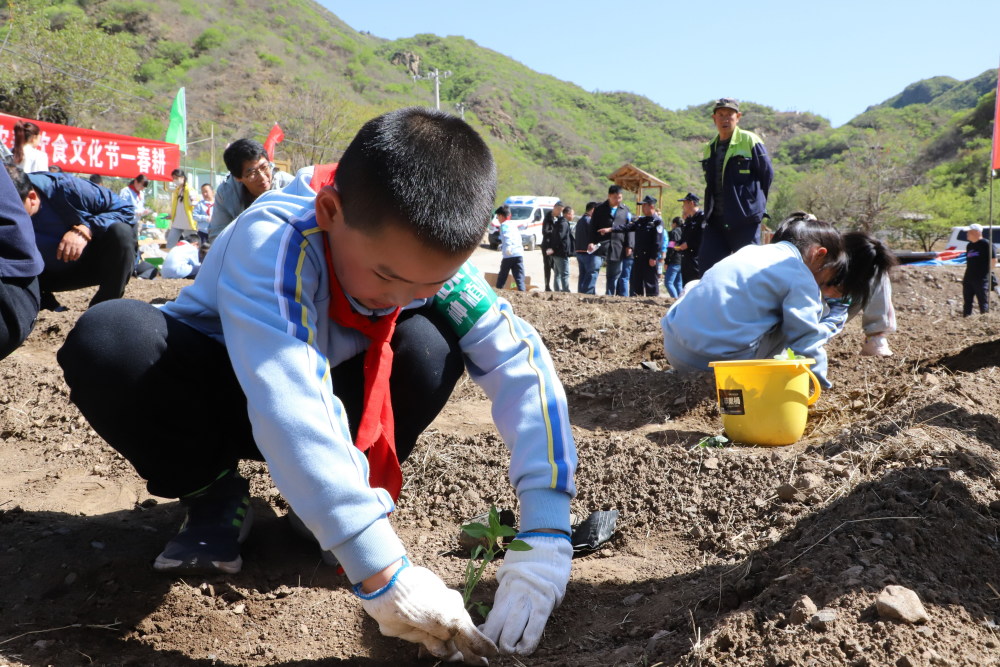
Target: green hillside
<point>116,64</point>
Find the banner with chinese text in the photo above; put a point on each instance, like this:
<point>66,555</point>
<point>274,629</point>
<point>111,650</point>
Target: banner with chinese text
<point>83,151</point>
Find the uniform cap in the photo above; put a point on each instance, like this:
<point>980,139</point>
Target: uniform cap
<point>726,103</point>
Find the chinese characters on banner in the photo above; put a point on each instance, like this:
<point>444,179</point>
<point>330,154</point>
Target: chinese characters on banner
<point>83,151</point>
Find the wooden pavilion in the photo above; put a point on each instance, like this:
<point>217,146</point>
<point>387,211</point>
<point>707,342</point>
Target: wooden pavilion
<point>640,183</point>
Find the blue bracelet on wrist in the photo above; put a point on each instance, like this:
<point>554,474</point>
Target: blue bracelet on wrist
<point>374,594</point>
<point>521,536</point>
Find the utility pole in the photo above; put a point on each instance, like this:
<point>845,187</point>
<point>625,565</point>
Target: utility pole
<point>461,108</point>
<point>437,76</point>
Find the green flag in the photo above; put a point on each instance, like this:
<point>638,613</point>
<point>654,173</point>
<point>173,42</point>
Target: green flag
<point>177,131</point>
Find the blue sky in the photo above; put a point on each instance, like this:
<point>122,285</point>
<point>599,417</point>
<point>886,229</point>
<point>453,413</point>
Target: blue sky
<point>834,58</point>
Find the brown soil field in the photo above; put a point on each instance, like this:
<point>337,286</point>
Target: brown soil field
<point>896,483</point>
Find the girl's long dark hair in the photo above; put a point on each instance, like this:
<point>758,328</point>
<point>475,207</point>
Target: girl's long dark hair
<point>803,230</point>
<point>24,132</point>
<point>868,260</point>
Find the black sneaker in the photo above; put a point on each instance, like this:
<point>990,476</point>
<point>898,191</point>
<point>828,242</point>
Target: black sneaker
<point>218,521</point>
<point>50,302</point>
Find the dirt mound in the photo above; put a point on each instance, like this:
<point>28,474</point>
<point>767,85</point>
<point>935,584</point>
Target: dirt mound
<point>895,482</point>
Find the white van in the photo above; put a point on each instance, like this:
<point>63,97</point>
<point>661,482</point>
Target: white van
<point>959,238</point>
<point>527,211</point>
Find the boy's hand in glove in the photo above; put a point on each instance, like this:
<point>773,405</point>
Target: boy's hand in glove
<point>416,606</point>
<point>532,584</point>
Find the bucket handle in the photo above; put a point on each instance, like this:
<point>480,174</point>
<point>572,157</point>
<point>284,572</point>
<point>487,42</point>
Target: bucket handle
<point>816,393</point>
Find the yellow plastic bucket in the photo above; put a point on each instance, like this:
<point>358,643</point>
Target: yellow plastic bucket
<point>765,401</point>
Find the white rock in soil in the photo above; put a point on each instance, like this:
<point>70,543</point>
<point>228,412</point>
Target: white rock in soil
<point>823,619</point>
<point>901,604</point>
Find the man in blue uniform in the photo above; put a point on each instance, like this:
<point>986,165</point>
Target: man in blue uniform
<point>83,232</point>
<point>647,251</point>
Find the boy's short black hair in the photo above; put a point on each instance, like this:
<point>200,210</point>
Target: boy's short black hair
<point>614,189</point>
<point>803,230</point>
<point>677,220</point>
<point>21,182</point>
<point>96,179</point>
<point>239,152</point>
<point>502,211</point>
<point>591,205</point>
<point>567,207</point>
<point>423,169</point>
<point>868,260</point>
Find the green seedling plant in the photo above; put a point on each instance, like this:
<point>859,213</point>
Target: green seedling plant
<point>712,441</point>
<point>788,355</point>
<point>490,546</point>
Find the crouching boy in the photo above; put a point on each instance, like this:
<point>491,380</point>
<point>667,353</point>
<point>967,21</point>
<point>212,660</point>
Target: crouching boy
<point>332,321</point>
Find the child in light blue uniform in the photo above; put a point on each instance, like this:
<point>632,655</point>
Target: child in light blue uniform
<point>759,301</point>
<point>278,320</point>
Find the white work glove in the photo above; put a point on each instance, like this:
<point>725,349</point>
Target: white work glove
<point>416,606</point>
<point>532,584</point>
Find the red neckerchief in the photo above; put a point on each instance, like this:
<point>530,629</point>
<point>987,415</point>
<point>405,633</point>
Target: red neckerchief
<point>376,433</point>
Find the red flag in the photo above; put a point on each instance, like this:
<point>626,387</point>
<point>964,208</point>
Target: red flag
<point>996,126</point>
<point>275,136</point>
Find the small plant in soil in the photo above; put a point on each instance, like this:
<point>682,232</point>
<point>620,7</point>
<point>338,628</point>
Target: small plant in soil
<point>490,546</point>
<point>713,441</point>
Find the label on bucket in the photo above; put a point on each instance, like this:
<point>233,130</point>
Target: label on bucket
<point>731,402</point>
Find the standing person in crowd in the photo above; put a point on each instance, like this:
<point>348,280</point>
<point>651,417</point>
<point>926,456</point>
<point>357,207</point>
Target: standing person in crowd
<point>135,194</point>
<point>20,264</point>
<point>865,289</point>
<point>691,235</point>
<point>203,211</point>
<point>548,223</point>
<point>663,246</point>
<point>562,248</point>
<point>609,227</point>
<point>511,250</point>
<point>83,233</point>
<point>182,201</point>
<point>27,153</point>
<point>251,174</point>
<point>672,270</point>
<point>647,250</point>
<point>980,258</point>
<point>738,176</point>
<point>278,321</point>
<point>624,282</point>
<point>588,261</point>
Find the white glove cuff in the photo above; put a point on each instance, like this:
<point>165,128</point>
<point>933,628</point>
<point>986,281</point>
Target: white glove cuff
<point>385,589</point>
<point>564,536</point>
